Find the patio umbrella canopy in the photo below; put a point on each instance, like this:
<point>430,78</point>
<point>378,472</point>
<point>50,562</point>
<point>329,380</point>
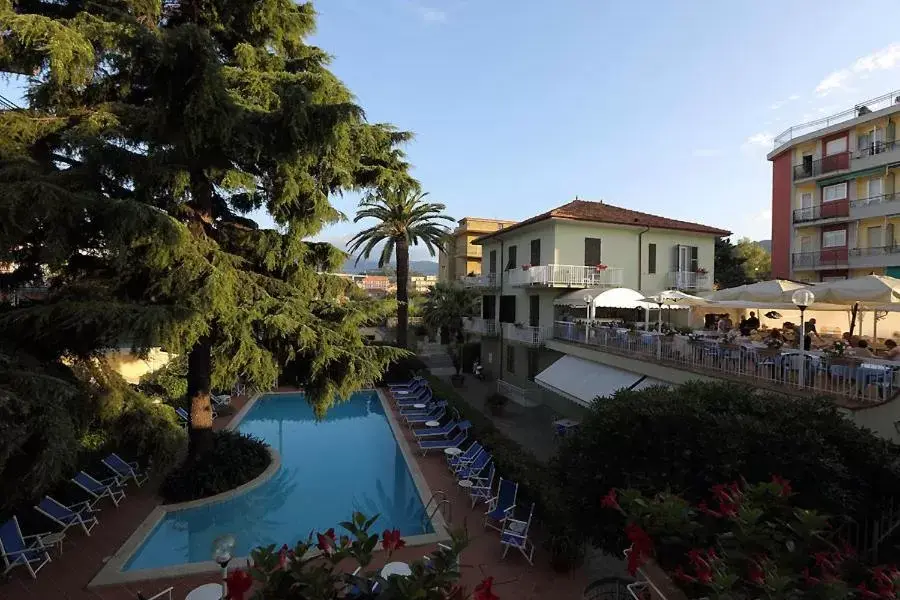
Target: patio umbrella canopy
<point>675,299</point>
<point>869,291</point>
<point>773,290</point>
<point>605,298</point>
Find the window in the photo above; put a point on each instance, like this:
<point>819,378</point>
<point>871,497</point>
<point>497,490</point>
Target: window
<point>492,262</point>
<point>507,309</point>
<point>806,200</point>
<point>533,369</point>
<point>511,358</point>
<point>685,259</point>
<point>874,235</point>
<point>592,255</point>
<point>838,191</point>
<point>834,239</point>
<point>836,146</point>
<point>489,307</point>
<point>875,187</point>
<point>651,258</point>
<point>535,253</point>
<point>806,244</point>
<point>511,262</point>
<point>534,310</point>
<point>827,278</point>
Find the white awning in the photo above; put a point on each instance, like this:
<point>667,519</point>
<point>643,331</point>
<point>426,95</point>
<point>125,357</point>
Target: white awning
<point>582,380</point>
<point>605,298</point>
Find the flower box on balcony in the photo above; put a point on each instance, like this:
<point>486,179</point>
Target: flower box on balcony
<point>526,267</point>
<point>600,268</point>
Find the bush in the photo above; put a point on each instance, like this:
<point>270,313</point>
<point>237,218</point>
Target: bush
<point>233,460</point>
<point>149,433</point>
<point>402,370</point>
<point>168,383</point>
<point>689,438</point>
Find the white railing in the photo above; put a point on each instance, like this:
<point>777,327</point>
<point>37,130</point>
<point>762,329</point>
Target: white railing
<point>572,276</point>
<point>859,110</point>
<point>480,326</point>
<point>522,396</point>
<point>526,333</point>
<point>486,280</point>
<point>854,382</point>
<point>688,280</point>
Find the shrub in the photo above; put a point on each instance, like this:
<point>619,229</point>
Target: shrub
<point>168,383</point>
<point>689,438</point>
<point>149,433</point>
<point>233,460</point>
<point>402,370</point>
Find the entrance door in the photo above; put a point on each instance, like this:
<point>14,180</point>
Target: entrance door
<point>534,310</point>
<point>806,205</point>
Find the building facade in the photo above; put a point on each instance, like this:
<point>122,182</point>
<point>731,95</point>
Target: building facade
<point>420,284</point>
<point>461,256</point>
<point>589,246</point>
<point>835,201</point>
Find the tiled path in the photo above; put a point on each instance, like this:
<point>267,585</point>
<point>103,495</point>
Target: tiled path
<point>67,576</point>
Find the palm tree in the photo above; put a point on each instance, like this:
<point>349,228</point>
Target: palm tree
<point>404,219</point>
<point>445,306</point>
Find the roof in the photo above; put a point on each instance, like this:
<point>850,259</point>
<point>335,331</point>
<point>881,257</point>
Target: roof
<point>600,212</point>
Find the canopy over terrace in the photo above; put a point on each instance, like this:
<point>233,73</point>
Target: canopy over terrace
<point>773,290</point>
<point>605,298</point>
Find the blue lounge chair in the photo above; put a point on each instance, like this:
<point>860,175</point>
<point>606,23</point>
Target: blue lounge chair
<point>426,445</point>
<point>125,470</point>
<point>412,411</point>
<point>443,431</point>
<point>455,462</point>
<point>436,415</point>
<point>110,488</point>
<point>515,535</point>
<point>475,468</point>
<point>67,516</point>
<point>424,398</point>
<point>24,550</point>
<point>482,487</point>
<point>415,382</point>
<point>500,507</point>
<point>183,415</point>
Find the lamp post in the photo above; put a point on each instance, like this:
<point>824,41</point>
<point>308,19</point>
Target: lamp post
<point>223,546</point>
<point>589,300</point>
<point>802,299</point>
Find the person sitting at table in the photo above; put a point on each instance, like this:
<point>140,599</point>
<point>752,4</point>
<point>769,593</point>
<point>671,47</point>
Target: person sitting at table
<point>723,325</point>
<point>752,322</point>
<point>893,350</point>
<point>862,349</point>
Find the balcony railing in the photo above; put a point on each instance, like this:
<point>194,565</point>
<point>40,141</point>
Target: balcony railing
<point>875,251</point>
<point>568,276</point>
<point>828,257</point>
<point>859,110</point>
<point>485,280</point>
<point>826,210</point>
<point>854,382</point>
<point>877,148</point>
<point>477,325</point>
<point>826,164</point>
<point>688,280</point>
<point>874,200</point>
<point>534,336</point>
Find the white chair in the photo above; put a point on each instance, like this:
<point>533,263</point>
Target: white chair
<point>515,535</point>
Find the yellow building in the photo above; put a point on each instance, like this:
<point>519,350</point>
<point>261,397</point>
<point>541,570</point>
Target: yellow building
<point>461,257</point>
<point>835,201</point>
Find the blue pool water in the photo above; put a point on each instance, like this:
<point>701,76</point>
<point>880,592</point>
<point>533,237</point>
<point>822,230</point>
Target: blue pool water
<point>350,461</point>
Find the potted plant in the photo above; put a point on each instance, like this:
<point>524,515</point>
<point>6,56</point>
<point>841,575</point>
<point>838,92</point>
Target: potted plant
<point>526,267</point>
<point>495,403</point>
<point>600,268</point>
<point>702,271</point>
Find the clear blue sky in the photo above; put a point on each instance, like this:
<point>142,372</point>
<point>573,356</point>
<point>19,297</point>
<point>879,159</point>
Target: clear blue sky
<point>666,107</point>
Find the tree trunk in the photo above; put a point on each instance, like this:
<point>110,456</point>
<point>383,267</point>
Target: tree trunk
<point>402,291</point>
<point>198,377</point>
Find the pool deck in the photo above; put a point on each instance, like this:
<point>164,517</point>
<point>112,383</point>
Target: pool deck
<point>67,576</point>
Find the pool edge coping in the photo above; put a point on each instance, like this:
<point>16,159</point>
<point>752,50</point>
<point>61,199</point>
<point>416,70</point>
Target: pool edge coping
<point>111,572</point>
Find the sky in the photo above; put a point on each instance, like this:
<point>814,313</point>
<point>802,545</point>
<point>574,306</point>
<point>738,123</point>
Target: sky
<point>667,107</point>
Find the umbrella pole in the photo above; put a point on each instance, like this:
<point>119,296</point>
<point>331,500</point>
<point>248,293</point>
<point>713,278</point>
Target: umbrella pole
<point>853,313</point>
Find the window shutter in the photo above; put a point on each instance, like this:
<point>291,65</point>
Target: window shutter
<point>492,264</point>
<point>512,258</point>
<point>889,235</point>
<point>675,253</point>
<point>535,252</point>
<point>694,259</point>
<point>651,258</point>
<point>593,254</point>
<point>891,131</point>
<point>889,184</point>
<point>862,141</point>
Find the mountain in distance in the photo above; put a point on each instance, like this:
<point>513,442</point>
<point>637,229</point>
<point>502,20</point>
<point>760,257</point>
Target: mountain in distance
<point>766,245</point>
<point>425,267</point>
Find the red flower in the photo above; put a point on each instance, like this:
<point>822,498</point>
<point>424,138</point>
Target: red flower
<point>483,590</point>
<point>641,547</point>
<point>390,540</point>
<point>728,509</point>
<point>680,574</point>
<point>705,509</point>
<point>284,555</point>
<point>784,484</point>
<point>704,575</point>
<point>610,500</point>
<point>238,581</point>
<point>865,591</point>
<point>809,578</point>
<point>326,542</point>
<point>756,574</point>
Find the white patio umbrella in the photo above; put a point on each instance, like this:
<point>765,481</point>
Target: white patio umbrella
<point>773,290</point>
<point>868,291</point>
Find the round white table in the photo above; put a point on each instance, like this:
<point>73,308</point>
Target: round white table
<point>54,539</point>
<point>432,423</point>
<point>466,485</point>
<point>452,451</point>
<point>420,405</point>
<point>396,568</point>
<point>207,591</point>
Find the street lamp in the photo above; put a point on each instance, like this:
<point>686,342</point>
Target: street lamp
<point>589,300</point>
<point>802,299</point>
<point>223,546</point>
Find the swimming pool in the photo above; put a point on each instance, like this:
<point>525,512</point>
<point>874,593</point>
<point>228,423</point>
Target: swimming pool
<point>350,461</point>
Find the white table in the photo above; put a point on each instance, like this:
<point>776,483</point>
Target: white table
<point>396,568</point>
<point>432,423</point>
<point>207,591</point>
<point>54,539</point>
<point>451,452</point>
<point>420,405</point>
<point>466,485</point>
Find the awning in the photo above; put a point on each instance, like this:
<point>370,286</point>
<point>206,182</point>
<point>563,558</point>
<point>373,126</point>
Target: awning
<point>604,298</point>
<point>582,380</point>
<point>853,175</point>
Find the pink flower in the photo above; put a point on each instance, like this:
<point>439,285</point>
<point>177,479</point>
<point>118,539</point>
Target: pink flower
<point>610,500</point>
<point>641,547</point>
<point>783,484</point>
<point>680,574</point>
<point>326,542</point>
<point>284,555</point>
<point>391,541</point>
<point>756,574</point>
<point>483,590</point>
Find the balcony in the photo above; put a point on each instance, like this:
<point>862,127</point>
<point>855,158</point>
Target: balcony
<point>875,256</point>
<point>826,164</point>
<point>484,281</point>
<point>526,334</point>
<point>828,258</point>
<point>689,281</point>
<point>875,206</point>
<point>479,326</point>
<point>566,276</point>
<point>827,210</point>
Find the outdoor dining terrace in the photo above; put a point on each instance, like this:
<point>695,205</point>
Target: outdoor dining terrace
<point>852,381</point>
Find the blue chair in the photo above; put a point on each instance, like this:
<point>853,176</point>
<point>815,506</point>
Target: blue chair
<point>436,415</point>
<point>22,550</point>
<point>482,487</point>
<point>423,398</point>
<point>442,431</point>
<point>416,381</point>
<point>475,468</point>
<point>459,438</point>
<point>515,535</point>
<point>411,410</point>
<point>67,516</point>
<point>108,488</point>
<point>501,506</point>
<point>125,470</point>
<point>455,462</point>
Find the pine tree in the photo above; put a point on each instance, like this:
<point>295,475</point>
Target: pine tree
<point>151,131</point>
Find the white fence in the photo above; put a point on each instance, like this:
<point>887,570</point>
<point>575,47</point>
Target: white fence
<point>571,276</point>
<point>480,326</point>
<point>527,334</point>
<point>522,396</point>
<point>486,280</point>
<point>689,280</point>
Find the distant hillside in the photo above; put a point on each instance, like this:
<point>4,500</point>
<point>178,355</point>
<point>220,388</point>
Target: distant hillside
<point>425,267</point>
<point>766,244</point>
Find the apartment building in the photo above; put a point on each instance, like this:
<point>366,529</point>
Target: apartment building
<point>460,256</point>
<point>835,196</point>
<point>422,283</point>
<point>580,247</point>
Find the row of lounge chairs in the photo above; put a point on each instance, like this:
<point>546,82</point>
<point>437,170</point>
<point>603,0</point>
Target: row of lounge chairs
<point>474,465</point>
<point>32,551</point>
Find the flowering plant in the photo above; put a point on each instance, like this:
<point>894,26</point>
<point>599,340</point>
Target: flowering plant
<point>702,271</point>
<point>746,542</point>
<point>731,336</point>
<point>310,570</point>
<point>837,349</point>
<point>773,343</point>
<point>600,267</point>
<point>526,267</point>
